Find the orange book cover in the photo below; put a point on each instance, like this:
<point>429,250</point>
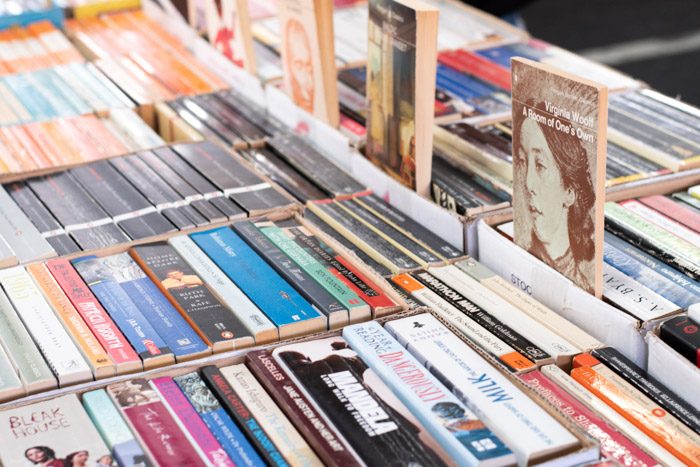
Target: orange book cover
<point>45,144</point>
<point>9,155</point>
<point>154,89</point>
<point>648,417</point>
<point>38,57</point>
<point>67,151</point>
<point>104,141</point>
<point>100,363</point>
<point>55,42</point>
<point>82,145</point>
<point>25,151</point>
<point>157,71</point>
<point>6,160</point>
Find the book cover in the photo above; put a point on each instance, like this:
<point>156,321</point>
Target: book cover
<point>96,318</point>
<point>363,409</point>
<point>56,432</point>
<point>280,302</point>
<point>217,325</point>
<point>460,433</point>
<point>218,420</point>
<point>232,401</point>
<point>401,70</point>
<point>522,424</point>
<point>683,334</point>
<point>308,56</point>
<point>102,276</point>
<point>559,123</point>
<point>114,431</point>
<point>58,349</point>
<point>152,424</point>
<point>190,423</point>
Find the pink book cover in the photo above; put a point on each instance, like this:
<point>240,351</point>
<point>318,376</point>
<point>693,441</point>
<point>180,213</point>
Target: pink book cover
<point>191,421</point>
<point>613,445</point>
<point>675,211</point>
<point>150,420</point>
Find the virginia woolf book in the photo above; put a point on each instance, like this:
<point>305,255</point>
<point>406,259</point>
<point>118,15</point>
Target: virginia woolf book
<point>559,138</point>
<point>401,67</point>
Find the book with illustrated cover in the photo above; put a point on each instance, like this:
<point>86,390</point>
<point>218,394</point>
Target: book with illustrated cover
<point>308,56</point>
<point>57,432</point>
<point>559,138</point>
<point>401,69</point>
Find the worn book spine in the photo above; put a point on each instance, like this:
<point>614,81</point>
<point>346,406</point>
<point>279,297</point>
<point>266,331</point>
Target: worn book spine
<point>318,430</point>
<point>96,318</point>
<point>58,349</point>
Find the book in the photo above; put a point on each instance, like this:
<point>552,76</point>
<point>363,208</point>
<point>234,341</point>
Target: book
<point>189,422</point>
<point>22,237</point>
<point>218,326</point>
<point>63,357</point>
<point>663,221</point>
<point>11,387</point>
<point>308,57</point>
<point>103,275</point>
<point>313,425</point>
<point>28,366</point>
<point>460,433</point>
<point>559,123</point>
<point>114,431</point>
<point>105,330</point>
<point>152,424</point>
<point>232,401</point>
<point>522,424</point>
<point>402,60</point>
<point>56,431</point>
<point>280,302</point>
<point>380,429</point>
<point>674,210</point>
<point>682,334</point>
<point>222,426</point>
<point>278,427</point>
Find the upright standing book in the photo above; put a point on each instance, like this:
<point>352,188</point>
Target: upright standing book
<point>401,69</point>
<point>228,28</point>
<point>559,138</point>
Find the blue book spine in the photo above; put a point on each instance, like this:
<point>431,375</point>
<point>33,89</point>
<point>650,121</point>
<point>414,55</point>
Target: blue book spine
<point>30,97</point>
<point>135,327</point>
<point>273,295</point>
<point>648,277</point>
<point>172,327</point>
<point>54,84</point>
<point>219,422</point>
<point>652,263</point>
<point>458,431</point>
<point>51,94</point>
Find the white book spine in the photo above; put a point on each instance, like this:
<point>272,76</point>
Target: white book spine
<point>422,393</point>
<point>528,327</point>
<point>58,349</point>
<point>20,234</point>
<point>527,428</point>
<point>250,315</point>
<point>664,222</point>
<point>633,297</point>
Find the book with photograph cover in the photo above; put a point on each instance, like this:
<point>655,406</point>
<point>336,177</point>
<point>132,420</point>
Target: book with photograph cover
<point>401,69</point>
<point>559,123</point>
<point>57,432</point>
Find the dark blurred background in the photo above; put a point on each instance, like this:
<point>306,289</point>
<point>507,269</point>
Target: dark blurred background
<point>656,41</point>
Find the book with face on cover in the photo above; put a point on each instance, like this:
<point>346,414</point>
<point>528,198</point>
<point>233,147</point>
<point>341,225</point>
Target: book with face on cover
<point>401,69</point>
<point>57,432</point>
<point>559,141</point>
<point>308,56</point>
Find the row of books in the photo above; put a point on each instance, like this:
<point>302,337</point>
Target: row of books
<point>69,321</point>
<point>411,391</point>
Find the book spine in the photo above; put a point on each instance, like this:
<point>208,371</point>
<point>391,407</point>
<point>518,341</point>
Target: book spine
<point>239,411</point>
<point>11,386</point>
<point>141,335</point>
<point>634,298</point>
<point>18,231</point>
<point>276,298</point>
<point>281,431</point>
<point>316,428</point>
<point>476,333</point>
<point>662,221</point>
<point>612,444</point>
<point>58,349</point>
<point>648,385</point>
<point>683,335</point>
<point>425,397</point>
<point>648,417</point>
<point>27,362</point>
<point>96,318</point>
<point>531,432</point>
<point>152,424</point>
<point>218,421</point>
<point>675,211</point>
<point>113,429</point>
<point>253,319</point>
<point>190,423</point>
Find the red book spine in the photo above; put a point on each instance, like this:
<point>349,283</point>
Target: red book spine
<point>673,210</point>
<point>371,294</point>
<point>613,445</point>
<point>97,319</point>
<point>482,68</point>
